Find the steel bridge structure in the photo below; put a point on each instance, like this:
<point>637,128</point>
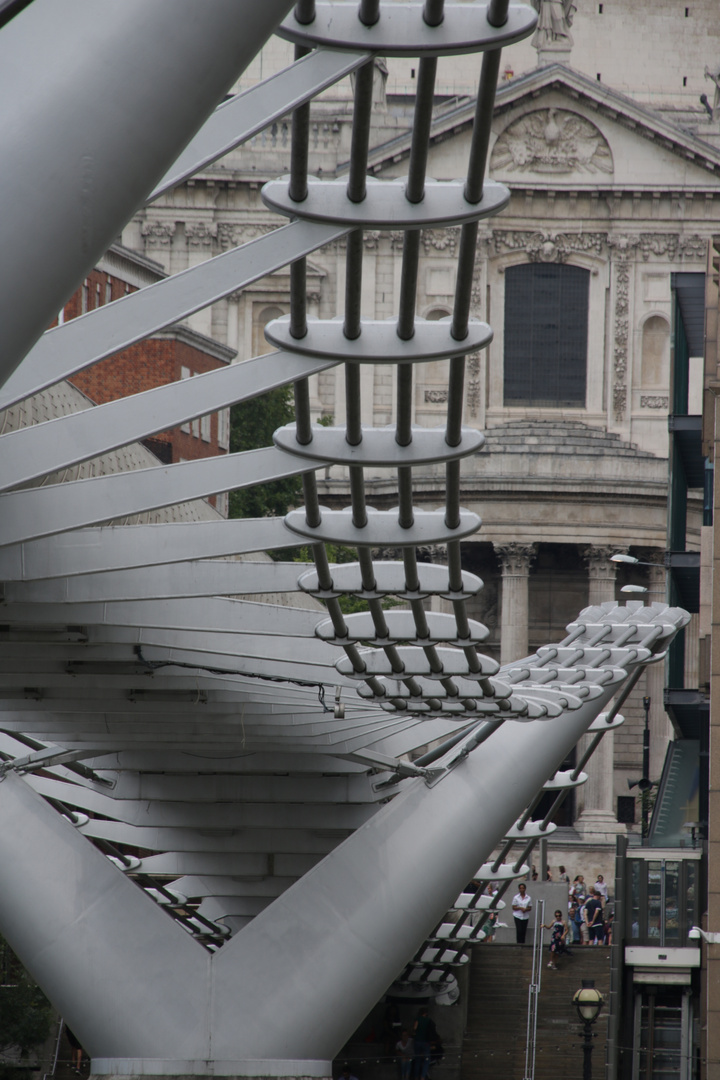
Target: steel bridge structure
<point>228,825</point>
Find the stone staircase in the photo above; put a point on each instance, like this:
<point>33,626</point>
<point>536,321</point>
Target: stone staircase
<point>494,1043</point>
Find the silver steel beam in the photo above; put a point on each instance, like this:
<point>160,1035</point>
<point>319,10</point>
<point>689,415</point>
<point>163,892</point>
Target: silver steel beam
<point>58,508</point>
<point>35,451</point>
<point>108,147</point>
<point>212,614</point>
<point>121,547</point>
<point>202,578</point>
<point>237,120</point>
<point>69,348</point>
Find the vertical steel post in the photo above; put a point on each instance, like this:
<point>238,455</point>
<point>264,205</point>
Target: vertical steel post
<point>645,783</point>
<point>534,992</point>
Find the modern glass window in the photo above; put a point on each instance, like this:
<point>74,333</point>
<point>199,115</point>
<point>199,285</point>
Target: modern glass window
<point>546,331</point>
<point>661,900</point>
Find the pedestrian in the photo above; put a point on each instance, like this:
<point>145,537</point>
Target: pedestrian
<point>558,937</point>
<point>563,876</point>
<point>593,918</point>
<point>521,907</point>
<point>575,920</point>
<point>578,891</point>
<point>601,888</point>
<point>423,1030</point>
<point>405,1051</point>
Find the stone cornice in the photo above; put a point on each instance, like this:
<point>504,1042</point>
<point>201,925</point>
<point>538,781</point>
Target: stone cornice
<point>198,341</point>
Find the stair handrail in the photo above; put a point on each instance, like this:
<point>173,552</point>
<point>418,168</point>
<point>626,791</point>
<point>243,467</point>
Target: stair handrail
<point>534,992</point>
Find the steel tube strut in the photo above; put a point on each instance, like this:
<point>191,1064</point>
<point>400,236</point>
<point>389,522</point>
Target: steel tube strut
<point>64,218</point>
<point>333,920</point>
<point>242,682</point>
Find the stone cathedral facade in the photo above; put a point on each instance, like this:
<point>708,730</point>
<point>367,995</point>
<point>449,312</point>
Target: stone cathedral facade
<point>614,166</point>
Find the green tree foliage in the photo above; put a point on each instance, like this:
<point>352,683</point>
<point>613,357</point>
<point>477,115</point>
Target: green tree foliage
<point>251,426</point>
<point>25,1012</point>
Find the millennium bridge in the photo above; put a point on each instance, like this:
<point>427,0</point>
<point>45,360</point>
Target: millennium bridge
<point>232,814</point>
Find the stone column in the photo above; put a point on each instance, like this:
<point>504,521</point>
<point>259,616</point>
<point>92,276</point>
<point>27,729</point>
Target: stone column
<point>601,574</point>
<point>597,821</point>
<point>515,559</point>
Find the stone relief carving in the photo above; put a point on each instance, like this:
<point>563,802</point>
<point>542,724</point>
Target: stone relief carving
<point>158,233</point>
<point>439,240</point>
<point>654,401</point>
<point>553,141</point>
<point>200,233</point>
<point>673,245</point>
<point>436,397</point>
<point>477,300</point>
<point>548,246</point>
<point>230,235</point>
<point>623,248</point>
<point>619,400</point>
<point>473,386</point>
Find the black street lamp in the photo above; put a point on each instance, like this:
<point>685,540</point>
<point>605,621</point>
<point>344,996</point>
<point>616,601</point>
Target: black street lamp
<point>588,1003</point>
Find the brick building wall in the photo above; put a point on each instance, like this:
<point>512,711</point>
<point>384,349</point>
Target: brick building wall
<point>166,357</point>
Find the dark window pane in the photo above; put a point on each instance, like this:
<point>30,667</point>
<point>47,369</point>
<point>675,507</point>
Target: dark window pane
<point>546,325</point>
<point>636,931</point>
<point>626,809</point>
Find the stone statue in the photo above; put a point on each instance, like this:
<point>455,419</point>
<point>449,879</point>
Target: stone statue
<point>554,22</point>
<point>714,75</point>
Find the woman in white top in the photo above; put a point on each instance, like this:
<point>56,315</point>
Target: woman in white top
<point>521,906</point>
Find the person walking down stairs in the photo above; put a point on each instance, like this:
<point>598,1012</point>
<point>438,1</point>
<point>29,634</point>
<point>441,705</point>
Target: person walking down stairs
<point>521,906</point>
<point>558,938</point>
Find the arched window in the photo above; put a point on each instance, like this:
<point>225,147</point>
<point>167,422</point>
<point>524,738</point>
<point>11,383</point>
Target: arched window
<point>260,320</point>
<point>546,329</point>
<point>437,313</point>
<point>655,351</point>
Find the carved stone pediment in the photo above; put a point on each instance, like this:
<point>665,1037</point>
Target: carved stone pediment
<point>552,142</point>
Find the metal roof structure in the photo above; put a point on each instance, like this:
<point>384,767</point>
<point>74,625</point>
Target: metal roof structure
<point>271,776</point>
